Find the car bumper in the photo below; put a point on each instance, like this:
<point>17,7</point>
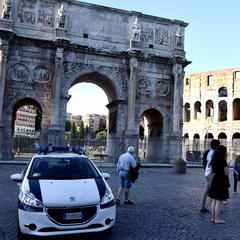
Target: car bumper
<point>40,224</point>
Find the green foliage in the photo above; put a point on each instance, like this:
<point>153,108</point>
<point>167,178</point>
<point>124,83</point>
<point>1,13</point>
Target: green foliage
<point>81,130</point>
<point>68,126</point>
<point>101,135</point>
<point>73,131</point>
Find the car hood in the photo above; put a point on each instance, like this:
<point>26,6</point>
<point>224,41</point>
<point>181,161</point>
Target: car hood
<point>58,193</point>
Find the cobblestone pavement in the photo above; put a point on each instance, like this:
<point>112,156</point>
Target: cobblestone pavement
<point>166,207</point>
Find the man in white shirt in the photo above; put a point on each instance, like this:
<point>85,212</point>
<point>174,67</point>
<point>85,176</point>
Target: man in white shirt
<point>208,175</point>
<point>125,161</point>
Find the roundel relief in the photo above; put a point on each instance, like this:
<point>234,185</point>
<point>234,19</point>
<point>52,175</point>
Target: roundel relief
<point>144,86</point>
<point>19,72</point>
<point>41,74</point>
<point>162,88</point>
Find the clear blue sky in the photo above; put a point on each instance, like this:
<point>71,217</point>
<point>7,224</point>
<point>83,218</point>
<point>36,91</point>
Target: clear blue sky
<point>212,38</point>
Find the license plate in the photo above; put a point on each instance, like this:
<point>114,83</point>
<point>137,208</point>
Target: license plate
<point>73,216</point>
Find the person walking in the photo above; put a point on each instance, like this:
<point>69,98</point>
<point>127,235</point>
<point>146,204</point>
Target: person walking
<point>207,158</point>
<point>220,183</point>
<point>236,173</point>
<point>125,161</point>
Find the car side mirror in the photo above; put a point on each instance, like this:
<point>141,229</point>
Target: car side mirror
<point>17,177</point>
<point>106,176</point>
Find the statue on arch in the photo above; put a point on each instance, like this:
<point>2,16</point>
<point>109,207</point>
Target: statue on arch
<point>7,5</point>
<point>61,17</point>
<point>178,36</point>
<point>136,30</point>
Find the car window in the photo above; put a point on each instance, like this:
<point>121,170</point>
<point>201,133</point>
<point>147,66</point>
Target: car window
<point>62,168</point>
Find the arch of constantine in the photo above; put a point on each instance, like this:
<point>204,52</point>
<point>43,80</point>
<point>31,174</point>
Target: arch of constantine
<point>46,47</point>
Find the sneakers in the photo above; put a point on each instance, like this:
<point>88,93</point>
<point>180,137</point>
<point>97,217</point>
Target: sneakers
<point>128,202</point>
<point>117,201</point>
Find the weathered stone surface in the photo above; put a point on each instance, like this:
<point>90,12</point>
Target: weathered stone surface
<point>137,59</point>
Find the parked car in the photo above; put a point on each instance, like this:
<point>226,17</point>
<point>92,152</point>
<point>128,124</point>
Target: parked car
<point>63,193</point>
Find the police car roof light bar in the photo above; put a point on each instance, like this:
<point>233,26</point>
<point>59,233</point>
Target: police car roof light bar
<point>50,148</point>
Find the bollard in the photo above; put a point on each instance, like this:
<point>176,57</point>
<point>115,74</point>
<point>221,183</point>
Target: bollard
<point>179,166</point>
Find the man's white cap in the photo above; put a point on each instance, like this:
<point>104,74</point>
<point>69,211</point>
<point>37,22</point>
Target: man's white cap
<point>130,149</point>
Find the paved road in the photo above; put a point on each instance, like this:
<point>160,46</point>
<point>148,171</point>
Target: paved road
<point>166,207</point>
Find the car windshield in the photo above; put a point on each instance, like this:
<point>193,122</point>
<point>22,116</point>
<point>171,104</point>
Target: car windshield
<point>62,168</point>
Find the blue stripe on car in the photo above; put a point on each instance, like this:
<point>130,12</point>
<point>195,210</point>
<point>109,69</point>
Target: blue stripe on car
<point>101,186</point>
<point>35,189</point>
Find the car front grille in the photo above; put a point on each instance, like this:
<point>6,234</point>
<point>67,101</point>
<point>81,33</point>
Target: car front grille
<point>76,215</point>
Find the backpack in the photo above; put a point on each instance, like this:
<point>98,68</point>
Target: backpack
<point>133,172</point>
<point>237,166</point>
<point>205,158</point>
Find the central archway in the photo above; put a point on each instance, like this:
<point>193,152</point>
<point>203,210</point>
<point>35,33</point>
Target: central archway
<point>115,108</point>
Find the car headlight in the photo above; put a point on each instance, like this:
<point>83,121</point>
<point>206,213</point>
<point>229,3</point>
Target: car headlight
<point>107,200</point>
<point>30,203</point>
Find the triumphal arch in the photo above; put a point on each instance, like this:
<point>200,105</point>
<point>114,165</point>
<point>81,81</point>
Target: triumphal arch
<point>48,46</point>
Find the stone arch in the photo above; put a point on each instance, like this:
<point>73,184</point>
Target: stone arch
<point>222,92</point>
<point>236,142</point>
<point>116,105</point>
<point>10,117</point>
<point>222,138</point>
<point>209,109</point>
<point>112,84</point>
<point>222,111</point>
<point>196,142</point>
<point>207,140</point>
<point>154,135</point>
<point>197,109</point>
<point>187,112</point>
<point>236,109</point>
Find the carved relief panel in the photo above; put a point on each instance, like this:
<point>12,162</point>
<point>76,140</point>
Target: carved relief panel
<point>41,74</point>
<point>26,11</point>
<point>162,88</point>
<point>147,35</point>
<point>144,87</point>
<point>18,72</point>
<point>162,36</point>
<point>36,12</point>
<point>46,14</point>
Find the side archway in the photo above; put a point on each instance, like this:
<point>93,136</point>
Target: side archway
<point>21,135</point>
<point>152,145</point>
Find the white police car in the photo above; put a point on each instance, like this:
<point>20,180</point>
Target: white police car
<point>63,193</point>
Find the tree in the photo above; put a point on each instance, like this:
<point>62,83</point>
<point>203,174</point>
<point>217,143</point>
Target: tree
<point>68,126</point>
<point>73,131</point>
<point>81,130</point>
<point>86,131</point>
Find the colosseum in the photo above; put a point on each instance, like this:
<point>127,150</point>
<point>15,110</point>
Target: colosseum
<point>211,109</point>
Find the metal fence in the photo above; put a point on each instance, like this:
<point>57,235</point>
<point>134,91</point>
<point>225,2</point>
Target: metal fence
<point>192,151</point>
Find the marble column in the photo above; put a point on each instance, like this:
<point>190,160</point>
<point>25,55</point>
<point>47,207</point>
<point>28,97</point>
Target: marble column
<point>132,127</point>
<point>132,95</point>
<point>3,63</point>
<point>54,129</point>
<point>176,137</point>
<point>178,97</point>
